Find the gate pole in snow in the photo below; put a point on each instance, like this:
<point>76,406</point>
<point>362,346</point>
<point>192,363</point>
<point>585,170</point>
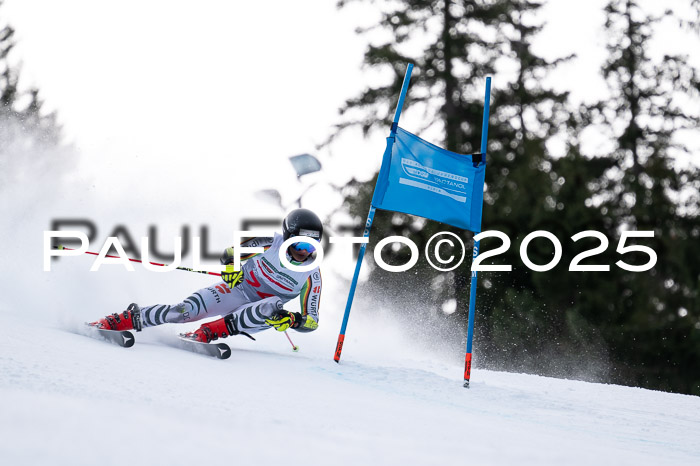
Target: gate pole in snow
<point>370,215</point>
<point>472,288</point>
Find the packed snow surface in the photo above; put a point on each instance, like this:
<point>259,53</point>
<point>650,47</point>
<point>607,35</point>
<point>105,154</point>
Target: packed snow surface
<point>67,399</point>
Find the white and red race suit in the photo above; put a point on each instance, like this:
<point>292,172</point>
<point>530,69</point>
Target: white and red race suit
<point>266,286</point>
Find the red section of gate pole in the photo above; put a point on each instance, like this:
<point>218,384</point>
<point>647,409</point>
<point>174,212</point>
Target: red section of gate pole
<point>339,347</point>
<point>467,369</point>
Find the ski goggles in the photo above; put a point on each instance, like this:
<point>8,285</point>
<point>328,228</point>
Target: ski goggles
<point>303,246</point>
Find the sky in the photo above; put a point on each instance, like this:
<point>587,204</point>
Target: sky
<point>224,82</point>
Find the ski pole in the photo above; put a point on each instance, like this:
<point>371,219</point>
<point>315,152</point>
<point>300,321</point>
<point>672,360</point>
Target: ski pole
<point>186,269</point>
<point>294,347</point>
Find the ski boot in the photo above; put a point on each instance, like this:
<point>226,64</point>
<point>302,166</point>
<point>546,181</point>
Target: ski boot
<point>127,320</point>
<point>214,330</point>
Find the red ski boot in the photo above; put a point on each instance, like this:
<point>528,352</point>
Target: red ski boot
<point>214,330</point>
<point>127,320</point>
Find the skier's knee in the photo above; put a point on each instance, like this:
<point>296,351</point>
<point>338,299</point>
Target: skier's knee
<point>271,306</point>
<point>179,313</point>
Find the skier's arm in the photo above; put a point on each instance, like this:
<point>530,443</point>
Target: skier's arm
<point>264,242</point>
<point>310,301</point>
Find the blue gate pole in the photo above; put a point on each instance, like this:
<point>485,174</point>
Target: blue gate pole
<point>475,253</point>
<point>370,215</point>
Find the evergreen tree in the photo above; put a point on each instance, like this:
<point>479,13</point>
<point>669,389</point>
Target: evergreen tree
<point>515,324</point>
<point>447,86</point>
<point>514,320</point>
<point>641,327</point>
<point>656,314</point>
<point>30,138</point>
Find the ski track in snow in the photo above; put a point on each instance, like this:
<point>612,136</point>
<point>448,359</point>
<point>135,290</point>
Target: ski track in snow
<point>66,399</point>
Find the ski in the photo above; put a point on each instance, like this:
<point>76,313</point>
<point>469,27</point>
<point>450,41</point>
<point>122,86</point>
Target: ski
<point>123,338</point>
<point>218,350</point>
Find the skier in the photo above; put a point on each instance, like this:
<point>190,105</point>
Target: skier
<point>250,300</point>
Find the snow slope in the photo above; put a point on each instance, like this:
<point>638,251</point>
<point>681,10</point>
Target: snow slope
<point>66,399</point>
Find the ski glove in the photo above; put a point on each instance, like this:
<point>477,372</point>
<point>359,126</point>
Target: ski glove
<point>284,320</point>
<point>231,277</point>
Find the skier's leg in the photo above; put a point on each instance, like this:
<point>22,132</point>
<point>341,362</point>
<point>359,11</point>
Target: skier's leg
<point>250,317</point>
<point>246,319</point>
<point>212,301</point>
